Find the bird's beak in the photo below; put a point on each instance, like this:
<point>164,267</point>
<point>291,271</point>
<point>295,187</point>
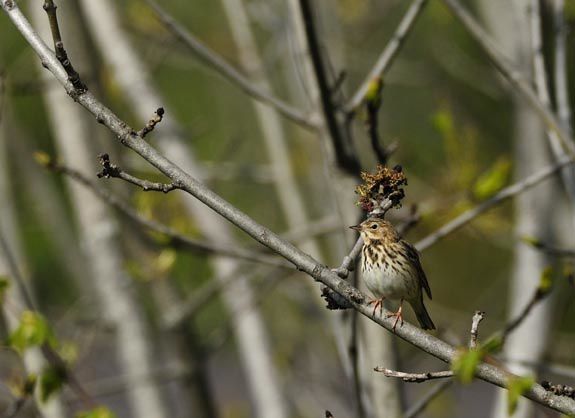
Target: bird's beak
<point>356,227</point>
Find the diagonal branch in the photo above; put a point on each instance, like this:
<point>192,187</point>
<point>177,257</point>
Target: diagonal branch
<point>388,54</point>
<point>304,262</point>
<point>219,65</point>
<point>504,194</point>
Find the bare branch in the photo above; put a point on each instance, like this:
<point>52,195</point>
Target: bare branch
<point>414,377</point>
<point>218,64</point>
<point>389,53</point>
<point>176,239</point>
<point>61,53</point>
<point>304,262</point>
<point>477,318</point>
<point>504,194</point>
<point>112,170</point>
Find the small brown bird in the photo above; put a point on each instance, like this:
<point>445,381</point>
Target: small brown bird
<point>391,269</point>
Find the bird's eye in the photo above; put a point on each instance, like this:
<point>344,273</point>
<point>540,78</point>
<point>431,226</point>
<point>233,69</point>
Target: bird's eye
<point>374,226</point>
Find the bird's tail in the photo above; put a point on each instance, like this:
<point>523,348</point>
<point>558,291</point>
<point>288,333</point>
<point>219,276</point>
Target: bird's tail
<point>422,315</point>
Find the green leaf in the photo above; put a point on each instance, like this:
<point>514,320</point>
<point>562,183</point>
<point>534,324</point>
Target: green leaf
<point>99,412</point>
<point>546,281</point>
<point>51,381</point>
<point>373,93</point>
<point>465,363</point>
<point>32,331</point>
<point>493,179</point>
<point>517,386</point>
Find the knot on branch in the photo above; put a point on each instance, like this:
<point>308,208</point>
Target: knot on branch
<point>334,300</point>
<point>381,190</point>
<point>561,390</point>
<point>108,169</point>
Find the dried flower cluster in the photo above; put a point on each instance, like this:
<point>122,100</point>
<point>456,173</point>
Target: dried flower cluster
<point>384,184</point>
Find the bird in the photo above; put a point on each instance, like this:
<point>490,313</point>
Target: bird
<point>391,269</point>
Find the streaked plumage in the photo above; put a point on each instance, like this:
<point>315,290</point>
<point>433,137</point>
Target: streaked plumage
<point>391,269</point>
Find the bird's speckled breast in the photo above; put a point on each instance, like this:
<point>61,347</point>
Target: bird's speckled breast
<point>382,280</point>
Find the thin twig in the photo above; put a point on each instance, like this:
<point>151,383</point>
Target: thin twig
<point>426,399</point>
<point>175,239</point>
<point>511,74</point>
<point>125,134</point>
<point>217,63</point>
<point>344,153</point>
<point>414,377</point>
<point>504,194</point>
<point>538,295</point>
<point>157,118</point>
<point>112,170</point>
<point>61,53</point>
<point>551,250</point>
<point>477,318</point>
<point>390,51</point>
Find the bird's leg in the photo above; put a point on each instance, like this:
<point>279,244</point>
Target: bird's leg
<point>378,303</point>
<point>397,315</point>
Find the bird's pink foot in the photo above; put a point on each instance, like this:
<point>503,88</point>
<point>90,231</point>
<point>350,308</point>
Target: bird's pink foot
<point>398,318</point>
<point>378,303</point>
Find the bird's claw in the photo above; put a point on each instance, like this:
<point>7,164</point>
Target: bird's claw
<point>378,304</point>
<point>398,317</point>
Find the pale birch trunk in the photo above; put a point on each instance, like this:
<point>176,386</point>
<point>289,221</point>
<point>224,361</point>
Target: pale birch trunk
<point>510,25</point>
<point>248,324</point>
<point>278,151</point>
<point>12,266</point>
<point>377,346</point>
<point>99,234</point>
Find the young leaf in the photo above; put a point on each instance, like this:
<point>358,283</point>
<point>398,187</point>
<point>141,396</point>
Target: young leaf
<point>517,386</point>
<point>51,380</point>
<point>492,180</point>
<point>99,412</point>
<point>4,285</point>
<point>465,363</point>
<point>32,331</point>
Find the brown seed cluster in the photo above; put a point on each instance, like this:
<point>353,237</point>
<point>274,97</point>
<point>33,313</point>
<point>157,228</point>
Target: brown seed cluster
<point>385,183</point>
<point>561,390</point>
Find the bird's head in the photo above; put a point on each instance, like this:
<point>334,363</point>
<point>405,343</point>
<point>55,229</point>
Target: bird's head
<point>375,229</point>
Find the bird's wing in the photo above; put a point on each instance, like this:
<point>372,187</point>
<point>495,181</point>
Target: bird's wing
<point>413,255</point>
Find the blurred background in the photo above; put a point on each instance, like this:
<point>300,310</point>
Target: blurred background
<point>154,328</point>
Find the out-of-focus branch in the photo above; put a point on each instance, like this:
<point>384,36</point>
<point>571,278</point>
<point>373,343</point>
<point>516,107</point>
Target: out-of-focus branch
<point>504,194</point>
<point>343,147</point>
<point>426,399</point>
<point>511,74</point>
<point>389,53</point>
<point>218,64</point>
<point>175,239</point>
<point>304,262</point>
